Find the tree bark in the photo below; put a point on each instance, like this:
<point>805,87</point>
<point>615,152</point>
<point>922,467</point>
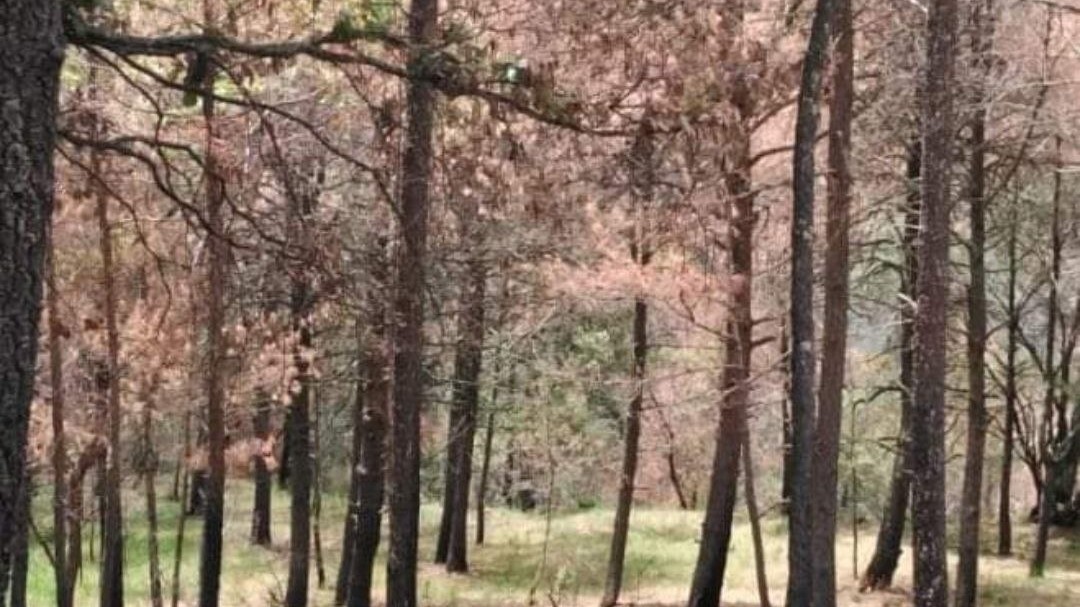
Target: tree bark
<point>928,406</point>
<point>260,511</point>
<point>834,338</point>
<point>967,570</point>
<point>408,385</point>
<point>1012,345</point>
<point>32,44</point>
<point>887,550</point>
<point>370,469</point>
<point>800,590</point>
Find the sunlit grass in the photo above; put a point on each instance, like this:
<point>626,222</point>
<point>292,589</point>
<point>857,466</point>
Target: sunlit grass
<point>507,570</point>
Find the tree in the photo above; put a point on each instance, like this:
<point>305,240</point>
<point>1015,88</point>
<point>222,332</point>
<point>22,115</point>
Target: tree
<point>801,587</point>
<point>260,510</point>
<point>928,405</point>
<point>834,339</point>
<point>967,570</point>
<point>59,450</point>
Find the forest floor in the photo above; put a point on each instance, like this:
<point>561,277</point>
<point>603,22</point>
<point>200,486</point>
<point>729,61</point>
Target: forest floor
<point>514,563</point>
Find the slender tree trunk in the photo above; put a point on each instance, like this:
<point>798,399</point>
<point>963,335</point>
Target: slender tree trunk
<point>834,338</point>
<point>112,533</point>
<point>928,405</point>
<point>755,522</point>
<point>32,45</point>
<point>1047,501</point>
<point>467,397</point>
<point>707,584</point>
<point>59,451</point>
<point>1005,501</point>
<point>260,511</point>
<point>348,541</point>
<point>214,501</point>
<point>316,499</point>
<point>409,315</point>
<point>800,590</point>
<point>485,469</point>
<point>967,570</point>
<point>149,479</point>
<point>180,525</point>
<point>302,305</point>
<point>879,573</point>
<point>785,420</point>
<point>377,390</point>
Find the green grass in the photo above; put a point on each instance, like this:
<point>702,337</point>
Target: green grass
<point>660,559</point>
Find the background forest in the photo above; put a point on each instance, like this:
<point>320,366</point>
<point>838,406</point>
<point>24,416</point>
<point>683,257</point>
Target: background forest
<point>355,302</point>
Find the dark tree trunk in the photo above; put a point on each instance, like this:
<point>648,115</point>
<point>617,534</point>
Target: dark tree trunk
<point>316,497</point>
<point>1047,502</point>
<point>1005,495</point>
<point>785,419</point>
<point>642,178</point>
<point>879,573</point>
<point>834,338</point>
<point>59,451</point>
<point>300,448</point>
<point>214,500</point>
<point>967,571</point>
<point>408,384</point>
<point>755,522</point>
<point>285,465</point>
<point>800,590</point>
<point>20,561</point>
<point>32,45</point>
<point>928,405</point>
<point>485,470</point>
<point>112,532</point>
<point>467,398</point>
<point>260,511</point>
<point>372,463</point>
<point>348,541</point>
<point>707,585</point>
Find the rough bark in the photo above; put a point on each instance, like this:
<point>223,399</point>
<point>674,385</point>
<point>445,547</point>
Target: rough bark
<point>260,511</point>
<point>371,466</point>
<point>967,570</point>
<point>416,167</point>
<point>834,338</point>
<point>800,589</point>
<point>928,405</point>
<point>32,45</point>
<point>879,572</point>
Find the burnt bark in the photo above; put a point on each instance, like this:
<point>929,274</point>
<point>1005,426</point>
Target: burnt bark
<point>408,384</point>
<point>928,405</point>
<point>834,338</point>
<point>887,550</point>
<point>32,45</point>
<point>800,589</point>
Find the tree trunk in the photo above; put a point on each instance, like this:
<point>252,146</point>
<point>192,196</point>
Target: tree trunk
<point>316,498</point>
<point>879,573</point>
<point>928,405</point>
<point>59,451</point>
<point>834,338</point>
<point>348,541</point>
<point>302,305</point>
<point>485,469</point>
<point>20,561</point>
<point>408,384</point>
<point>149,479</point>
<point>1047,501</point>
<point>755,522</point>
<point>260,511</point>
<point>967,570</point>
<point>372,463</point>
<point>214,501</point>
<point>467,398</point>
<point>800,590</point>
<point>1005,501</point>
<point>785,419</point>
<point>33,49</point>
<point>707,585</point>
<point>112,532</point>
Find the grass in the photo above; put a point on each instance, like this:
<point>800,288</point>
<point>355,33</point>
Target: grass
<point>660,560</point>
